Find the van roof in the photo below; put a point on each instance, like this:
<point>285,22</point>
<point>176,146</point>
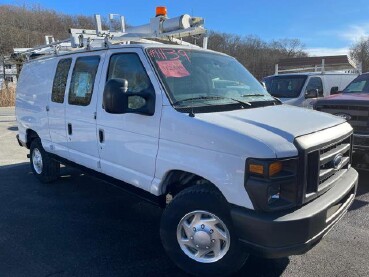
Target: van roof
<point>125,46</point>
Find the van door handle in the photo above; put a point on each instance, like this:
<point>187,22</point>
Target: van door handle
<point>101,136</point>
<point>47,108</point>
<point>70,131</point>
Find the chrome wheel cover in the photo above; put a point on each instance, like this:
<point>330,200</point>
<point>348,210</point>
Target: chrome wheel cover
<point>37,161</point>
<point>203,236</point>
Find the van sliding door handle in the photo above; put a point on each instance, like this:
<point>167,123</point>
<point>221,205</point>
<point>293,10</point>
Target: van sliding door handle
<point>70,131</point>
<point>101,136</point>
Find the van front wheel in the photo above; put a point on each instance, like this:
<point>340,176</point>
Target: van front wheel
<point>198,234</point>
<point>43,167</point>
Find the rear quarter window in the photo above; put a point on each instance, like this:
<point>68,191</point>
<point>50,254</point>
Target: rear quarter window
<point>60,80</point>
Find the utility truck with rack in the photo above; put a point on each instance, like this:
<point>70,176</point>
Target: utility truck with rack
<point>191,130</point>
<point>302,86</point>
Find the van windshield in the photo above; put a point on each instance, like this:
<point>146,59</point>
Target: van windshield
<point>195,78</point>
<point>285,86</point>
<point>359,85</point>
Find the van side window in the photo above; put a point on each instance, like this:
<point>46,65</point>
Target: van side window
<point>315,83</point>
<point>128,66</point>
<point>83,79</point>
<point>60,80</point>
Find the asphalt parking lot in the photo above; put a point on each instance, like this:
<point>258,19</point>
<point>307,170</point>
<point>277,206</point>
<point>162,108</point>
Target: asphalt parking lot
<point>80,226</point>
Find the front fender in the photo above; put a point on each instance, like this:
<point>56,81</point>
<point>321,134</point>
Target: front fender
<point>225,171</point>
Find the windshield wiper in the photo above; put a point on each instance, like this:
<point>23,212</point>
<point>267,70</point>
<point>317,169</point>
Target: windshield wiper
<point>210,98</point>
<point>195,98</point>
<point>277,99</point>
<point>255,94</point>
<point>260,94</point>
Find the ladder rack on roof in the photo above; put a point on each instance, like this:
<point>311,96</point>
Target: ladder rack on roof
<point>161,29</point>
<point>349,67</point>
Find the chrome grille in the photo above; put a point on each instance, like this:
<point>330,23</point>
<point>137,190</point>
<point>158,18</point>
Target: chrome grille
<point>361,142</point>
<point>359,115</point>
<point>317,152</point>
<point>326,165</point>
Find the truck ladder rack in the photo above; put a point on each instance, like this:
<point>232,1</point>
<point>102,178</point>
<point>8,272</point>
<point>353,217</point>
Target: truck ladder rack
<point>337,67</point>
<point>161,29</point>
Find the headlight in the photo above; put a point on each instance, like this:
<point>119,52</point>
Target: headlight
<point>272,184</point>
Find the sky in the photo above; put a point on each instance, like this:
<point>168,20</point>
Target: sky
<point>326,27</point>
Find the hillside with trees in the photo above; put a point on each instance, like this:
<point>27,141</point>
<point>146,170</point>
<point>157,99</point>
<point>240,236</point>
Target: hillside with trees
<point>26,26</point>
<point>257,55</point>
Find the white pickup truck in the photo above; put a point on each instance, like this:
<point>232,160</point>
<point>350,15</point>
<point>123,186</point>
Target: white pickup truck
<point>236,171</point>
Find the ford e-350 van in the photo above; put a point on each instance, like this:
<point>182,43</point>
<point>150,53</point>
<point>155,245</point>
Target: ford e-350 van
<point>194,131</point>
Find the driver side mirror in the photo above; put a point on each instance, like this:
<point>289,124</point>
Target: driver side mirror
<point>334,90</point>
<point>118,100</point>
<point>311,93</point>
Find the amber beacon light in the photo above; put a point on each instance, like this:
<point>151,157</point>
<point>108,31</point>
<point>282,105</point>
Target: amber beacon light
<point>161,11</point>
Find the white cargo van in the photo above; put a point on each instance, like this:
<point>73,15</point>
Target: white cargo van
<point>301,89</point>
<point>192,130</point>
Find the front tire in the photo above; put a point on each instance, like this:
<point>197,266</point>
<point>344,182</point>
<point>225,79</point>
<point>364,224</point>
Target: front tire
<point>43,167</point>
<point>198,235</point>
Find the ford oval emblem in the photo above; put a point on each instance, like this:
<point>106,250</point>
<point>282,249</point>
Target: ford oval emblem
<point>337,161</point>
<point>344,115</point>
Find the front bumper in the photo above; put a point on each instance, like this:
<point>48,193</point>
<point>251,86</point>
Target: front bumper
<point>281,234</point>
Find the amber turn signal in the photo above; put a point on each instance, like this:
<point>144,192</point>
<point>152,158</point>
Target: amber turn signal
<point>266,169</point>
<point>275,168</point>
<point>256,169</point>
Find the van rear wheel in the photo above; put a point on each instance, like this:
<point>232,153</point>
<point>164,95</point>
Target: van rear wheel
<point>43,167</point>
<point>198,235</point>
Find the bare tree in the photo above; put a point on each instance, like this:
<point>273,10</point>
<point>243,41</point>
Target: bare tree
<point>359,52</point>
<point>255,54</point>
<point>26,26</point>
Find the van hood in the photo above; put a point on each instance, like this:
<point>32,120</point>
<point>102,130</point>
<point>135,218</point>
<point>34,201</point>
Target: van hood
<point>261,132</point>
<point>276,126</point>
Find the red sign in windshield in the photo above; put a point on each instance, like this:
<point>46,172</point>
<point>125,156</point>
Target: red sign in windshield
<point>173,68</point>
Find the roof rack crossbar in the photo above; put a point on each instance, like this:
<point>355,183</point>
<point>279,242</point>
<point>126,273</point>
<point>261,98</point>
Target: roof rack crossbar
<point>323,68</point>
<point>161,29</point>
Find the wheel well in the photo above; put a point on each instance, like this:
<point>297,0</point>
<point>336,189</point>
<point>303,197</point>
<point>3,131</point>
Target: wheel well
<point>31,135</point>
<point>177,180</point>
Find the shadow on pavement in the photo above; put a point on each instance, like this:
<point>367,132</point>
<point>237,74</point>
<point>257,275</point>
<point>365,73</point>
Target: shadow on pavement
<point>80,225</point>
<point>13,128</point>
<point>264,267</point>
